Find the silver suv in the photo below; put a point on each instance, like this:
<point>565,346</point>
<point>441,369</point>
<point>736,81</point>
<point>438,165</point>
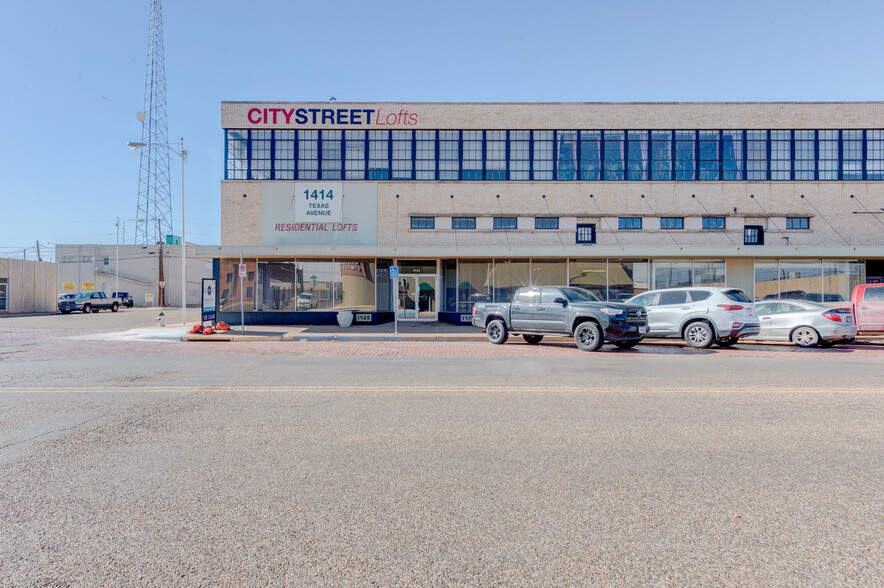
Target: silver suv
<point>701,316</point>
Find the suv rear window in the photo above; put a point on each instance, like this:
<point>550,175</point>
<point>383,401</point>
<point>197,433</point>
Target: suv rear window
<point>736,295</point>
<point>698,295</point>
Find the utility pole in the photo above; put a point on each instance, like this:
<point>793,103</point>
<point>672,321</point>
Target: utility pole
<point>38,251</point>
<point>162,281</point>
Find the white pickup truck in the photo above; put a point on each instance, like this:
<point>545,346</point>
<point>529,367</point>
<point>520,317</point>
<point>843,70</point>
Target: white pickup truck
<point>88,302</point>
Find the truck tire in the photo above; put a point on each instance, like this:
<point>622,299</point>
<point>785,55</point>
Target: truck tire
<point>87,308</point>
<point>532,339</point>
<point>699,335</point>
<point>588,336</point>
<point>115,307</point>
<point>497,332</point>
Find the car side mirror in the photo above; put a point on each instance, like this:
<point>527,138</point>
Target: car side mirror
<point>561,301</point>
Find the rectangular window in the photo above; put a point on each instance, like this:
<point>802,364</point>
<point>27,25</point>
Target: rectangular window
<point>780,155</point>
<point>566,155</point>
<point>590,155</point>
<point>798,222</point>
<point>520,155</point>
<point>283,155</point>
<point>4,294</point>
<point>756,155</point>
<point>713,222</point>
<point>805,159</point>
<point>585,234</point>
<point>106,261</point>
<point>331,154</point>
<point>308,155</point>
<point>710,144</point>
<point>402,155</point>
<point>449,155</point>
<point>661,155</point>
<point>852,155</point>
<point>505,222</point>
<point>260,155</point>
<point>495,155</point>
<point>827,161</point>
<point>425,155</point>
<point>378,155</point>
<point>546,223</point>
<point>355,155</point>
<point>875,155</point>
<point>672,222</point>
<point>629,223</point>
<point>731,155</point>
<point>463,222</point>
<point>543,155</point>
<point>753,235</point>
<point>237,154</point>
<point>615,143</point>
<point>637,155</point>
<point>472,155</point>
<point>685,155</point>
<point>423,222</point>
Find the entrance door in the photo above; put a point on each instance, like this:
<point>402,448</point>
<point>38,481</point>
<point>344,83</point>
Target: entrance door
<point>417,297</point>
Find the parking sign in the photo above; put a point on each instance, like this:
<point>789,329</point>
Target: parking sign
<point>394,272</point>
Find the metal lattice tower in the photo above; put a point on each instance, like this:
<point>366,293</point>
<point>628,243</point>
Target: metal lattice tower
<point>154,195</point>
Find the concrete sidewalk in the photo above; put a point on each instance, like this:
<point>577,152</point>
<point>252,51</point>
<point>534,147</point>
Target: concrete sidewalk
<point>431,331</point>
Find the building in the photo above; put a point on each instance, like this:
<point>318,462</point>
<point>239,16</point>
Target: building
<point>27,286</point>
<point>472,200</point>
<point>134,269</point>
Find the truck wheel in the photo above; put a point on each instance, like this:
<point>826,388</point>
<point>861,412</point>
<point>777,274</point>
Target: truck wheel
<point>533,339</point>
<point>87,308</point>
<point>115,307</point>
<point>588,336</point>
<point>805,337</point>
<point>698,334</point>
<point>727,341</point>
<point>627,344</point>
<point>497,332</point>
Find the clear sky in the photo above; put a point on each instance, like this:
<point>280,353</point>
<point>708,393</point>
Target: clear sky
<point>73,77</point>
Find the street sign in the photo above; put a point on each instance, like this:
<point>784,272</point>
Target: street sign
<point>394,272</point>
<point>242,270</point>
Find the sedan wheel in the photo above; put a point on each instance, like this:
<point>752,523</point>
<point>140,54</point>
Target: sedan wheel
<point>805,337</point>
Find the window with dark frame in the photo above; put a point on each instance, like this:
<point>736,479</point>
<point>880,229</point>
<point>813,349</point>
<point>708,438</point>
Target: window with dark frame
<point>505,222</point>
<point>713,222</point>
<point>629,223</point>
<point>423,222</point>
<point>672,222</point>
<point>585,234</point>
<point>463,222</point>
<point>753,235</point>
<point>797,222</point>
<point>543,222</point>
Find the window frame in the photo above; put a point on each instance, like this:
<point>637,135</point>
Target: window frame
<point>759,235</point>
<point>583,228</point>
<point>706,223</point>
<point>627,223</point>
<point>552,223</point>
<point>802,221</point>
<point>676,221</point>
<point>499,225</point>
<point>468,221</point>
<point>422,223</point>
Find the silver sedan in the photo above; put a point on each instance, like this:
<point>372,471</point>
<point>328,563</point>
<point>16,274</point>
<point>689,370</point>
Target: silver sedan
<point>804,323</point>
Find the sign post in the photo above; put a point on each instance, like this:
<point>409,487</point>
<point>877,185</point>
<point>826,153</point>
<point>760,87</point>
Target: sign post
<point>208,300</point>
<point>394,275</point>
<point>242,305</point>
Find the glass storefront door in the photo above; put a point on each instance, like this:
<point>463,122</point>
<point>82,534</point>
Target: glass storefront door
<point>417,297</point>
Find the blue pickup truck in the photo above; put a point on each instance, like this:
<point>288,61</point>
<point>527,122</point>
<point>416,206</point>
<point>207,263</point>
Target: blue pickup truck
<point>562,311</point>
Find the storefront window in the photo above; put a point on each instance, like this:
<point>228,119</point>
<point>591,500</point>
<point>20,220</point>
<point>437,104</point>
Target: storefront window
<point>231,297</point>
<point>709,273</point>
<point>627,278</point>
<point>766,280</point>
<point>316,286</point>
<point>591,275</point>
<point>474,279</point>
<point>354,285</point>
<point>672,274</point>
<point>279,283</point>
<point>510,275</point>
<point>4,285</point>
<point>449,284</point>
<point>384,297</point>
<point>840,278</point>
<point>800,280</point>
<point>549,272</point>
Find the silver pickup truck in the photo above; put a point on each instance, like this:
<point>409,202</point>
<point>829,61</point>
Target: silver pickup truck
<point>88,302</point>
<point>562,311</point>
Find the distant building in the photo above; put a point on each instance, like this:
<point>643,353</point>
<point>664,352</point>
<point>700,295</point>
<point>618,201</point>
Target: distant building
<point>472,200</point>
<point>95,267</point>
<point>27,286</point>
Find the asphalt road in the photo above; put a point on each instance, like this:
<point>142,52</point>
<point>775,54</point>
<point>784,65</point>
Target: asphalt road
<point>400,463</point>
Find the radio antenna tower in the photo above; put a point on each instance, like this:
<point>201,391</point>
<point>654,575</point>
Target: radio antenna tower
<point>154,195</point>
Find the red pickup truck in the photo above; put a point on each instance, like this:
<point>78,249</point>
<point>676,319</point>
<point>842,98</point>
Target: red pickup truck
<point>868,307</point>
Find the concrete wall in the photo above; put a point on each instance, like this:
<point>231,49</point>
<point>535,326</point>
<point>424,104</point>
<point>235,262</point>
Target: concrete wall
<point>30,285</point>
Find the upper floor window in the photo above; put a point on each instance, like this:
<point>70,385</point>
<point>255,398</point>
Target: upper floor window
<point>629,223</point>
<point>797,222</point>
<point>713,222</point>
<point>463,222</point>
<point>546,223</point>
<point>671,222</point>
<point>505,222</point>
<point>585,233</point>
<point>753,235</point>
<point>423,222</point>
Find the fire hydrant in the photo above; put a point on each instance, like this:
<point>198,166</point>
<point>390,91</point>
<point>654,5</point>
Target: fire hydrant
<point>161,319</point>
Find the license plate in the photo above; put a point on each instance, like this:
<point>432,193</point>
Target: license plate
<point>642,329</point>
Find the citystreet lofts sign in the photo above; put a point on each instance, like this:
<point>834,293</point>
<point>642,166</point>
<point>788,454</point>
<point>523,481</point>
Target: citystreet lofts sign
<point>359,117</point>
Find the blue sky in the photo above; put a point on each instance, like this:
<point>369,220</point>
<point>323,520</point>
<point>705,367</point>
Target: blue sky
<point>73,78</point>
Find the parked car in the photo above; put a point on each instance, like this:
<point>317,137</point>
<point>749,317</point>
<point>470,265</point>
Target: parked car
<point>88,302</point>
<point>699,315</point>
<point>306,301</point>
<point>804,323</point>
<point>868,307</point>
<point>124,298</point>
<point>562,311</point>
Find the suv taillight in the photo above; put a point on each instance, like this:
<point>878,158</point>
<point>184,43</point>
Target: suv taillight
<point>832,316</point>
<point>730,306</point>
